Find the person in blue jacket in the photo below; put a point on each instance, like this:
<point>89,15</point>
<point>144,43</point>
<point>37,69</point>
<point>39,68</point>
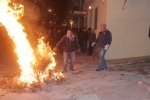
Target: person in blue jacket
<point>104,40</point>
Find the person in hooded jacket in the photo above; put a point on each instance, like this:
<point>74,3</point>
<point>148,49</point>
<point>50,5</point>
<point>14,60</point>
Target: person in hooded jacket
<point>69,43</point>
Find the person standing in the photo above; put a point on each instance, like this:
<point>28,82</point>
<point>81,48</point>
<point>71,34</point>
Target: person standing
<point>58,37</point>
<point>92,38</point>
<point>69,43</point>
<point>85,40</point>
<point>51,38</point>
<point>80,37</point>
<point>104,40</point>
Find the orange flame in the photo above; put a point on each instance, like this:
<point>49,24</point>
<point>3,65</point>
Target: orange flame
<point>28,59</point>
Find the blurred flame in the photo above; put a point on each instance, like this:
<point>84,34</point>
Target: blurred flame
<point>28,59</point>
<point>58,75</point>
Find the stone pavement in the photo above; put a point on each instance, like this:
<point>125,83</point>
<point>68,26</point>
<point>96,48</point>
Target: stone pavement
<point>88,97</point>
<point>120,82</point>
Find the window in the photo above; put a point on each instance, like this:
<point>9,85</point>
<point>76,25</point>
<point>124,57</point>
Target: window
<point>96,16</point>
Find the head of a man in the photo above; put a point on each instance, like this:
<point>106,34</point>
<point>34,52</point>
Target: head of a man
<point>59,30</point>
<point>69,33</point>
<point>103,27</point>
<point>92,31</point>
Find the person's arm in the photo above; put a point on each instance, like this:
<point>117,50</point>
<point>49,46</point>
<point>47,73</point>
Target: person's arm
<point>77,43</point>
<point>61,42</point>
<point>97,40</point>
<point>109,38</point>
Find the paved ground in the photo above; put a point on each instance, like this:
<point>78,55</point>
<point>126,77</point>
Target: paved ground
<point>119,82</point>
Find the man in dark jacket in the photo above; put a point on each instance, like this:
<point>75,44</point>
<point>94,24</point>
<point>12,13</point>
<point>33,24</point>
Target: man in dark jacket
<point>69,43</point>
<point>80,37</point>
<point>85,40</point>
<point>104,40</point>
<point>92,38</point>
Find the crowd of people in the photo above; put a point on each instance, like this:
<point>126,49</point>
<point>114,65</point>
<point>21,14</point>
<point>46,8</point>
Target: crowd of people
<point>84,36</point>
<point>81,39</point>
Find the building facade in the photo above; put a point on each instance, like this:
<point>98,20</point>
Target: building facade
<point>74,14</point>
<point>129,25</point>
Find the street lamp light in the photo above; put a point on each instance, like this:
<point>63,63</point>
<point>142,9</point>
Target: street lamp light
<point>71,22</point>
<point>43,23</point>
<point>49,10</point>
<point>90,7</point>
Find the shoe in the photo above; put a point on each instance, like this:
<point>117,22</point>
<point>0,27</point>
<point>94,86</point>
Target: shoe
<point>97,70</point>
<point>72,70</point>
<point>64,71</point>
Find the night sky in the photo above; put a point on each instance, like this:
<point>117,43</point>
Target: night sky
<point>58,7</point>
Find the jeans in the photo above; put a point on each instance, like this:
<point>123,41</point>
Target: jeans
<point>84,46</point>
<point>65,56</point>
<point>102,62</point>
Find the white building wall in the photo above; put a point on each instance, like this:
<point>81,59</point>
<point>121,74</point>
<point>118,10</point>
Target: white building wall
<point>102,10</point>
<point>129,28</point>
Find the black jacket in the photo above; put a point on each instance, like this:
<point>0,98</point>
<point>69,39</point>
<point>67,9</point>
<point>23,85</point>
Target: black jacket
<point>92,38</point>
<point>85,36</point>
<point>104,38</point>
<point>69,44</point>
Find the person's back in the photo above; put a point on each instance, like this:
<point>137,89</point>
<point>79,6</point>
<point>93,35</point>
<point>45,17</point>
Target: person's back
<point>85,36</point>
<point>92,39</point>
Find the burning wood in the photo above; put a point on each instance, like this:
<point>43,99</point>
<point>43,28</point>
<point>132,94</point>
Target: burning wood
<point>35,64</point>
<point>58,77</point>
<point>9,82</point>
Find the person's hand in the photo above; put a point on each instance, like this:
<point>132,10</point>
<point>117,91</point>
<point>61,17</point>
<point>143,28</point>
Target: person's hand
<point>79,50</point>
<point>55,49</point>
<point>93,44</point>
<point>106,47</point>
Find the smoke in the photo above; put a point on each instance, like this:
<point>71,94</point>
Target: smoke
<point>32,21</point>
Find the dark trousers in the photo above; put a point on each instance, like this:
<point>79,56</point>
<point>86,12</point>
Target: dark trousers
<point>90,49</point>
<point>80,43</point>
<point>84,46</point>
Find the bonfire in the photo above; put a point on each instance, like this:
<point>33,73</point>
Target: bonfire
<point>37,65</point>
